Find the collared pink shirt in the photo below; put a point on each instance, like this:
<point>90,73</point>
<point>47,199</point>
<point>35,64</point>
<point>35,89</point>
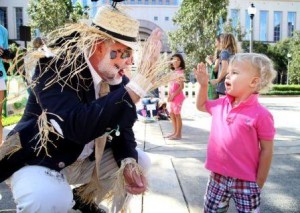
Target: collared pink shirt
<point>233,147</point>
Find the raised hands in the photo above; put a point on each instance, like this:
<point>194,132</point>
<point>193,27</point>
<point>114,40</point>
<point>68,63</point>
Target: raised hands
<point>201,74</point>
<point>153,46</point>
<point>202,78</point>
<point>149,66</point>
<point>150,54</point>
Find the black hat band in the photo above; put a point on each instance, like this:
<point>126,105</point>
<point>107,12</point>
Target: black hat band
<point>115,35</point>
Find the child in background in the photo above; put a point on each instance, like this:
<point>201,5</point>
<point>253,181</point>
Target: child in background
<point>240,146</point>
<point>176,96</point>
<point>163,113</point>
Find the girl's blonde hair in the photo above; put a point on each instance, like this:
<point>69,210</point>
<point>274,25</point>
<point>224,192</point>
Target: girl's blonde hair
<point>229,42</point>
<point>262,64</point>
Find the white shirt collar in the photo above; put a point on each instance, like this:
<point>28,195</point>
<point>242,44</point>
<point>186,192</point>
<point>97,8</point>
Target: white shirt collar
<point>96,78</point>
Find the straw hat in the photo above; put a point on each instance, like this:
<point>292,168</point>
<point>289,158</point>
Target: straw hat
<point>117,25</point>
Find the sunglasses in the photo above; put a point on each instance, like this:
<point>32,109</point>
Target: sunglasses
<point>124,54</point>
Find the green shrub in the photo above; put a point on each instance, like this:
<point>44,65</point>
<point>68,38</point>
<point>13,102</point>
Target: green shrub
<point>284,90</point>
<point>10,120</point>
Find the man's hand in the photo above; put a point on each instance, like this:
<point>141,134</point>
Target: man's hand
<point>135,183</point>
<point>152,51</point>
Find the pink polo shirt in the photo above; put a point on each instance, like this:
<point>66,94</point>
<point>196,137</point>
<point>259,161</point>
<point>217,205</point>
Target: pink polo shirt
<point>233,147</point>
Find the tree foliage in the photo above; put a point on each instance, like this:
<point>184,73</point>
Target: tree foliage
<point>236,31</point>
<point>278,52</point>
<point>294,65</point>
<point>197,22</point>
<point>48,15</point>
<point>258,47</point>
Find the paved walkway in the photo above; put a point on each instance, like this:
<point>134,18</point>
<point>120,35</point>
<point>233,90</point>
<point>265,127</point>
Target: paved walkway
<point>178,179</point>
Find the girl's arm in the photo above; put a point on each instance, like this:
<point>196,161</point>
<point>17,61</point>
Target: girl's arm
<point>222,74</point>
<point>223,71</point>
<point>265,159</point>
<point>179,90</point>
<point>202,78</point>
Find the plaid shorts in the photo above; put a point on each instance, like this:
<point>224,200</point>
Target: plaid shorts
<point>246,194</point>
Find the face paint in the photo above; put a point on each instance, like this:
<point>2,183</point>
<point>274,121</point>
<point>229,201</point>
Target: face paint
<point>109,72</point>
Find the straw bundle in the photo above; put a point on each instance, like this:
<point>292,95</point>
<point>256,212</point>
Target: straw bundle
<point>152,67</point>
<point>92,192</point>
<point>45,128</point>
<point>11,145</point>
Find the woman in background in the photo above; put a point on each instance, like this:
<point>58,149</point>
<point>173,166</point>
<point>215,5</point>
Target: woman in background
<point>176,96</point>
<point>212,63</point>
<point>229,48</point>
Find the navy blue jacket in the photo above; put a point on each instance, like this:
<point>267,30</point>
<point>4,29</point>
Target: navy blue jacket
<point>82,118</point>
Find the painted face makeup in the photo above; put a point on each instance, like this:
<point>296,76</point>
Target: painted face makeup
<point>124,54</point>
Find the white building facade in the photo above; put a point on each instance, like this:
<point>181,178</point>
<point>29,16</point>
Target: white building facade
<point>274,19</point>
<point>13,14</point>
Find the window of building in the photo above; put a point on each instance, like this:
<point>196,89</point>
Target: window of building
<point>153,1</point>
<point>3,16</point>
<point>166,18</point>
<point>139,1</point>
<point>84,3</point>
<point>155,18</point>
<point>220,26</point>
<point>235,18</point>
<point>94,9</point>
<point>19,20</point>
<point>277,25</point>
<point>132,1</point>
<point>247,25</point>
<point>167,2</point>
<point>263,25</point>
<point>291,23</point>
<point>146,1</point>
<point>160,2</point>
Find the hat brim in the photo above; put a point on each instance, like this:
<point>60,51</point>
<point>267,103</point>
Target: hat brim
<point>132,45</point>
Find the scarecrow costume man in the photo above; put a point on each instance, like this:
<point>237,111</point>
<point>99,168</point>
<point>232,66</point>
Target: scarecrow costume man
<point>70,134</point>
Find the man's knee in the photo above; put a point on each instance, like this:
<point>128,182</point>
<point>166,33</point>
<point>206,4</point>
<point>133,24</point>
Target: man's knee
<point>46,201</point>
<point>39,189</point>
